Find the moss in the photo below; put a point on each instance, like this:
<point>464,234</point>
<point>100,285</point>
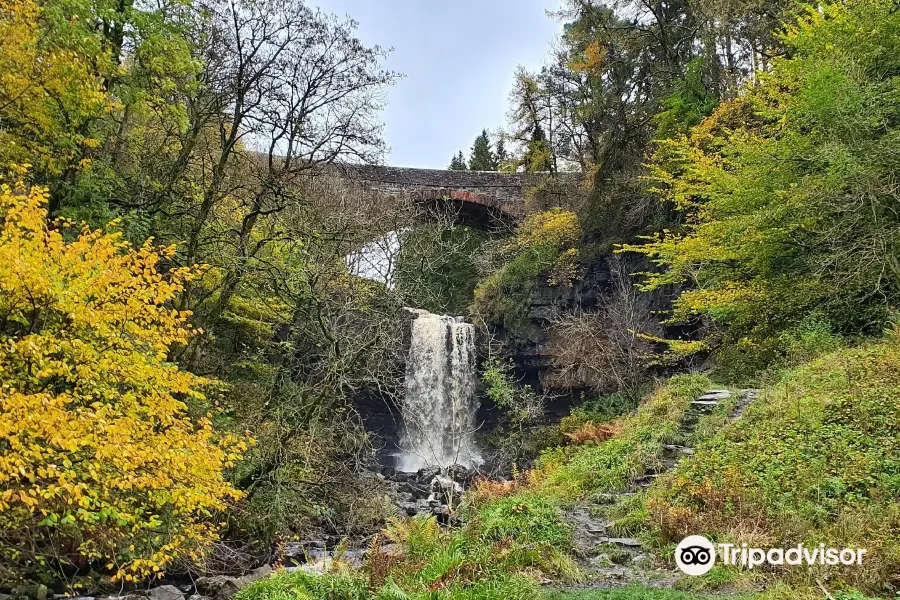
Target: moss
<point>546,244</point>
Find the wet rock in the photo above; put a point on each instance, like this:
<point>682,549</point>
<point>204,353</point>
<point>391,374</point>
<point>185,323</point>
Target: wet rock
<point>317,567</point>
<point>632,542</point>
<point>37,591</point>
<point>391,549</point>
<point>219,587</point>
<point>417,491</point>
<point>223,587</point>
<point>445,489</point>
<point>461,474</point>
<point>714,395</point>
<point>258,573</point>
<point>426,474</point>
<point>297,553</point>
<point>165,592</point>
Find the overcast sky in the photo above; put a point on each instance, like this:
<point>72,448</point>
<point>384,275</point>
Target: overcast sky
<point>459,57</point>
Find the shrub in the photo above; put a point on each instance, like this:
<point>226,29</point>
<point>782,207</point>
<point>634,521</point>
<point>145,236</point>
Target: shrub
<point>528,519</point>
<point>303,586</point>
<point>601,409</point>
<point>107,456</point>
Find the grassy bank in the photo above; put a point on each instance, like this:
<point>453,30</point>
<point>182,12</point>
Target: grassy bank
<point>815,459</point>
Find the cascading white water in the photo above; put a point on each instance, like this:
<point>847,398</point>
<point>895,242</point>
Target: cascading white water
<point>439,404</point>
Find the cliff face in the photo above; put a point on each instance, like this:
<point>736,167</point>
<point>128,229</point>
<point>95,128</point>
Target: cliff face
<point>532,351</point>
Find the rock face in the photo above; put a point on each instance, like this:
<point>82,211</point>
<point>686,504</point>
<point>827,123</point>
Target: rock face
<point>530,349</point>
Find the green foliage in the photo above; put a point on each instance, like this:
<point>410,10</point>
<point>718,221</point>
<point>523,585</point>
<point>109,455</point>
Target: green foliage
<point>433,564</point>
<point>482,157</point>
<point>521,405</point>
<point>435,269</point>
<point>546,244</point>
<point>787,193</point>
<point>612,465</point>
<point>601,409</point>
<point>688,104</point>
<point>631,593</point>
<point>458,162</point>
<point>526,519</point>
<point>539,154</point>
<point>303,586</point>
<point>742,360</point>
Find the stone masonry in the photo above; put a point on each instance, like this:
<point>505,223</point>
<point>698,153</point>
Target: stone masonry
<point>499,194</point>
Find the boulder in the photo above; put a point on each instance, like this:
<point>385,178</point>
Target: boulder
<point>223,587</point>
<point>460,474</point>
<point>426,474</point>
<point>258,573</point>
<point>219,587</point>
<point>165,592</point>
<point>297,553</point>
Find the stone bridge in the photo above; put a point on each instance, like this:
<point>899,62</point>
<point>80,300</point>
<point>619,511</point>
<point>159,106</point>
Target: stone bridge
<point>482,197</point>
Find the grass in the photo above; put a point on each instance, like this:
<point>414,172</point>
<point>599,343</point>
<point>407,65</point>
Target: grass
<point>638,446</point>
<point>632,593</point>
<point>815,459</point>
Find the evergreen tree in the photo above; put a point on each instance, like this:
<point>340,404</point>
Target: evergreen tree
<point>482,157</point>
<point>458,162</point>
<point>500,156</point>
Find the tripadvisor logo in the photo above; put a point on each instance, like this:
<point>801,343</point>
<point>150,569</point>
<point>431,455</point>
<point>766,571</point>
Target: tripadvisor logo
<point>696,555</point>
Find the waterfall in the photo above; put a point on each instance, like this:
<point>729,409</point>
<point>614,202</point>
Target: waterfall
<point>439,403</point>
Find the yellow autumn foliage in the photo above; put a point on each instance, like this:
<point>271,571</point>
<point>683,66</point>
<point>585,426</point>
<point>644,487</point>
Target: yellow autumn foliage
<point>104,459</point>
<point>50,89</point>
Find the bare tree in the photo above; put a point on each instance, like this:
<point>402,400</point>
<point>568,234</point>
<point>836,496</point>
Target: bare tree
<point>603,348</point>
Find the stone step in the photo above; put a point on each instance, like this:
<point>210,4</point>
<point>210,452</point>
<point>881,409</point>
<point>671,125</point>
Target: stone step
<point>648,479</point>
<point>680,449</point>
<point>715,395</point>
<point>600,528</point>
<point>747,396</point>
<point>621,541</point>
<point>611,497</point>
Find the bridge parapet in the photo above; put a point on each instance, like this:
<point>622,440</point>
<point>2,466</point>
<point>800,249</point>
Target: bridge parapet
<point>501,194</point>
